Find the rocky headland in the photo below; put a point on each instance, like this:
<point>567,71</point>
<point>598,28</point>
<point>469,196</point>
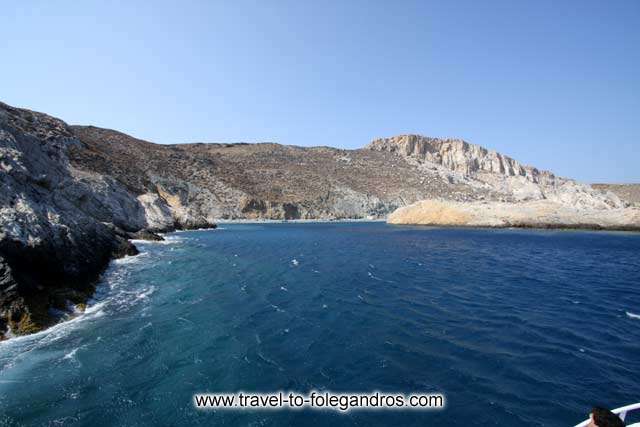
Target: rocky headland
<point>60,225</point>
<point>73,196</point>
<point>528,214</point>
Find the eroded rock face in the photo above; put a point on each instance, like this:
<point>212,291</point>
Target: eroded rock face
<point>479,167</point>
<point>459,156</point>
<point>57,224</point>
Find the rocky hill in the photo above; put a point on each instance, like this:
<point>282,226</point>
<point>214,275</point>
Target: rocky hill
<point>56,224</point>
<point>199,183</point>
<point>205,182</point>
<point>629,193</point>
<point>478,167</point>
<point>72,196</point>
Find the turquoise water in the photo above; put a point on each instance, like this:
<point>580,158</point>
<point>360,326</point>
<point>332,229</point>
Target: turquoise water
<point>514,327</point>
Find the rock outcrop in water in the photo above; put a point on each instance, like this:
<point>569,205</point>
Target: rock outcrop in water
<point>72,196</point>
<point>530,214</point>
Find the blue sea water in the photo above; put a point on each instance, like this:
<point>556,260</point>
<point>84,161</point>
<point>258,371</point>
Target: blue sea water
<point>514,327</point>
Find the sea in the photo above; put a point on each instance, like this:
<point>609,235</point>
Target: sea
<point>512,327</point>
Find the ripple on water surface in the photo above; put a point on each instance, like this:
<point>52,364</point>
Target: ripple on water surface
<point>514,327</point>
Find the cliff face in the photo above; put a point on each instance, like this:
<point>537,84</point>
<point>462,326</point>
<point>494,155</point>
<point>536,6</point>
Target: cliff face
<point>53,241</point>
<point>481,168</point>
<point>459,156</point>
<point>72,196</point>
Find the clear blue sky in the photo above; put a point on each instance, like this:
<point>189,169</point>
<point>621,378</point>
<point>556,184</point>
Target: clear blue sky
<point>555,84</point>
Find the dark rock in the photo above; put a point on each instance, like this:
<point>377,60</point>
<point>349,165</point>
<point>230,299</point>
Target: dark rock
<point>145,235</point>
<point>200,224</point>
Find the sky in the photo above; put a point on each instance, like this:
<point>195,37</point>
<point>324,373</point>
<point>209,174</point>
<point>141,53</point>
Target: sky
<point>554,84</point>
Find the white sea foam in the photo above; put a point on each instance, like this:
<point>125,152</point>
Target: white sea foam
<point>71,354</point>
<point>633,315</point>
<point>145,326</point>
<point>146,292</point>
<point>52,334</point>
<point>278,309</point>
<point>110,296</point>
<point>131,259</point>
<point>370,274</point>
<point>168,240</point>
<point>295,262</point>
<point>199,229</point>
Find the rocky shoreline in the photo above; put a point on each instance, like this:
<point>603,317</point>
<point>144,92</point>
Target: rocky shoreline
<point>72,198</point>
<point>529,226</point>
<point>59,226</point>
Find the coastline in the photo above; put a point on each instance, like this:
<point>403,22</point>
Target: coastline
<point>533,227</point>
<point>74,315</point>
<point>514,226</point>
<point>540,214</point>
<point>76,200</point>
<point>294,221</point>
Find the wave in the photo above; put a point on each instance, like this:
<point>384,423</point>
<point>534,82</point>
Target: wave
<point>111,296</point>
<point>55,332</point>
<point>71,354</point>
<point>633,315</point>
<point>370,274</point>
<point>168,240</point>
<point>277,308</point>
<point>131,259</point>
<point>146,292</point>
<point>199,229</point>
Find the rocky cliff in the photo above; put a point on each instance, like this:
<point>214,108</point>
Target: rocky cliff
<point>72,196</point>
<point>478,167</point>
<point>52,242</point>
<point>59,225</point>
